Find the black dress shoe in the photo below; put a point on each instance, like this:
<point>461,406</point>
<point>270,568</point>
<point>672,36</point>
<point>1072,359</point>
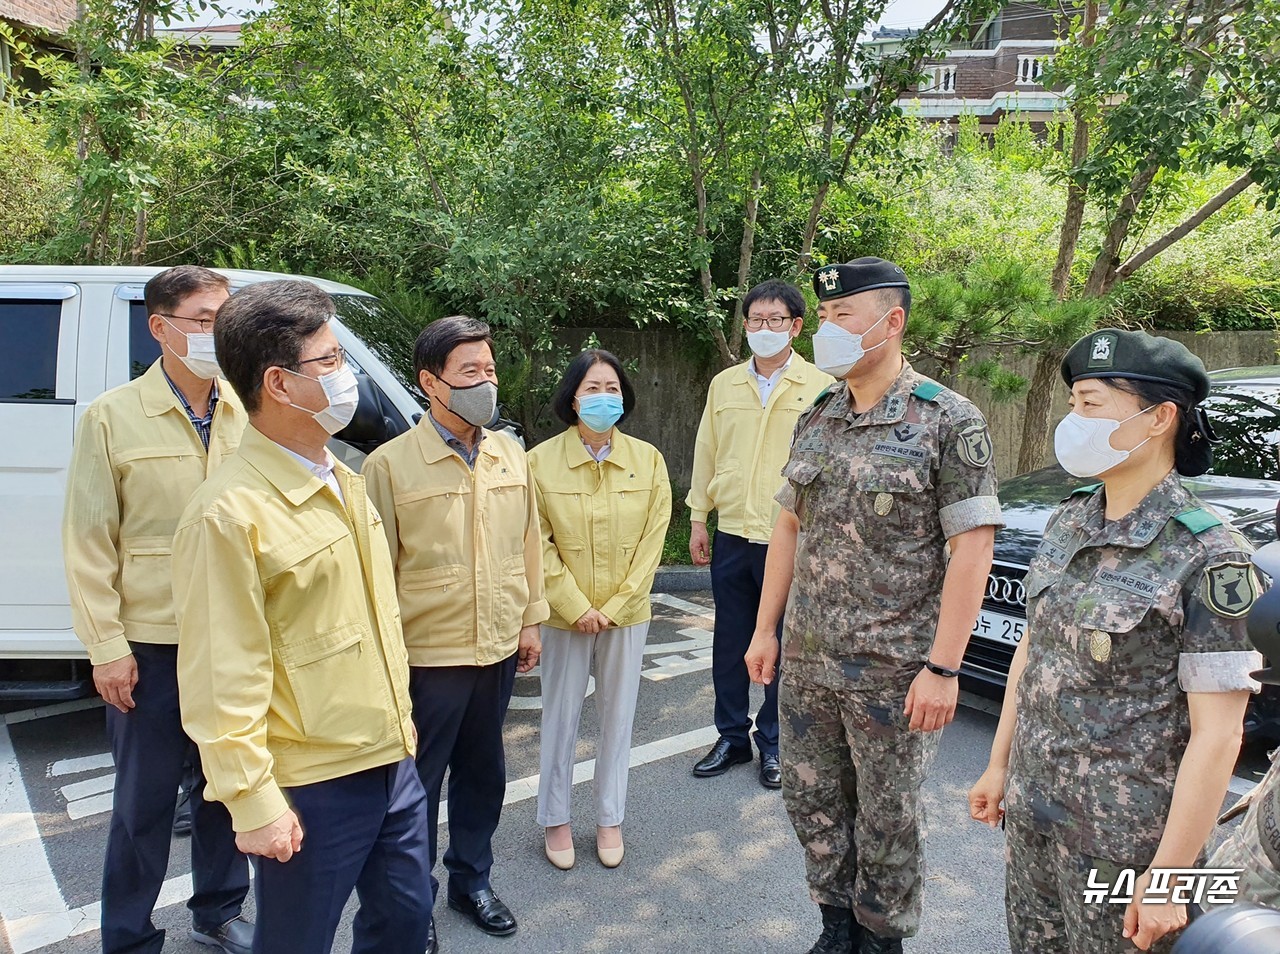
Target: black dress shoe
<point>489,913</point>
<point>875,944</point>
<point>770,771</point>
<point>722,757</point>
<point>433,945</point>
<point>182,813</point>
<point>234,937</point>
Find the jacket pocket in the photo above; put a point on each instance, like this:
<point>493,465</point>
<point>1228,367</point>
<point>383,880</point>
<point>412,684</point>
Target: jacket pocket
<point>436,606</point>
<point>146,581</point>
<point>342,662</point>
<point>513,589</point>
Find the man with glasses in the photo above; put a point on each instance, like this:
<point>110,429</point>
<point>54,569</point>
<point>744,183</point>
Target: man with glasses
<point>294,676</point>
<point>140,452</point>
<point>741,448</point>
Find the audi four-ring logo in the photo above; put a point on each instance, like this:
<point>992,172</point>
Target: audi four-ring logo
<point>1006,589</point>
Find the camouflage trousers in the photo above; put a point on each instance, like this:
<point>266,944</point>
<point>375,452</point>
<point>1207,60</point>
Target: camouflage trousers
<point>1045,884</point>
<point>851,778</point>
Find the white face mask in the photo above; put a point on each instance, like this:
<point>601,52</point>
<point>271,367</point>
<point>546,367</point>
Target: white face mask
<point>836,351</point>
<point>343,394</point>
<point>201,358</point>
<point>1083,444</point>
<point>765,343</point>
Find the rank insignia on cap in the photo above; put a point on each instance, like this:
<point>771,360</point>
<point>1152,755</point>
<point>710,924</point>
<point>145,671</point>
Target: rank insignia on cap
<point>830,278</point>
<point>974,445</point>
<point>1230,588</point>
<point>1102,350</point>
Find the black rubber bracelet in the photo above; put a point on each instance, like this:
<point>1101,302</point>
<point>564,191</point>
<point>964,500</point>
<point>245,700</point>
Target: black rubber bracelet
<point>940,670</point>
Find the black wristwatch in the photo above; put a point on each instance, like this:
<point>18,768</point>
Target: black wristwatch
<point>937,670</point>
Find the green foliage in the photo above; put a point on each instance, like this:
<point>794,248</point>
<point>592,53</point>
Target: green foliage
<point>33,183</point>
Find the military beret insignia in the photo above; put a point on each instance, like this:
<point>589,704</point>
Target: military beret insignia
<point>974,445</point>
<point>1229,588</point>
<point>1102,350</point>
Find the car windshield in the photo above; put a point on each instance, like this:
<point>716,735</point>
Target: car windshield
<point>1246,419</point>
<point>375,325</point>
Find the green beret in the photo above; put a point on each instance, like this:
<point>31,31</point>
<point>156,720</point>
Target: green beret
<point>853,278</point>
<point>1136,355</point>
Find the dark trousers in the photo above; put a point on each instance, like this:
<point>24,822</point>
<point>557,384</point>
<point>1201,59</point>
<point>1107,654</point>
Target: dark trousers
<point>365,831</point>
<point>459,711</point>
<point>150,748</point>
<point>737,575</point>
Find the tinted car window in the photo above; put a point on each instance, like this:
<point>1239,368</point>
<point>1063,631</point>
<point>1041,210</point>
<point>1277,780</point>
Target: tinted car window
<point>143,349</point>
<point>1247,420</point>
<point>29,356</point>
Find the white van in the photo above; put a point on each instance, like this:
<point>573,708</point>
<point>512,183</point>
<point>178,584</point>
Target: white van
<point>68,333</point>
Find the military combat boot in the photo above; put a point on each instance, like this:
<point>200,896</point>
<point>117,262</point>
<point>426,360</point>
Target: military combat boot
<point>875,944</point>
<point>840,932</point>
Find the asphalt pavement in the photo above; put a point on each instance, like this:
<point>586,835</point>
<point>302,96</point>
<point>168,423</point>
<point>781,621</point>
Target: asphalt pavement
<point>711,865</point>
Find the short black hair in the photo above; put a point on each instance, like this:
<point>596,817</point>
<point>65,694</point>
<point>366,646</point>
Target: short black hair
<point>893,297</point>
<point>432,349</point>
<point>562,403</point>
<point>775,289</point>
<point>1193,437</point>
<point>266,325</point>
<point>167,289</point>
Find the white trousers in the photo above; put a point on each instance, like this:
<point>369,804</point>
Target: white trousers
<point>567,658</point>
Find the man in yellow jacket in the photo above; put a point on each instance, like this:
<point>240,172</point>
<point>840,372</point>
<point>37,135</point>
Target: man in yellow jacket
<point>140,452</point>
<point>462,523</point>
<point>741,448</point>
<point>293,674</point>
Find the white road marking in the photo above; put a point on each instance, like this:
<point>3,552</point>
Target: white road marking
<point>525,788</point>
<point>675,602</point>
<point>85,807</point>
<point>45,712</point>
<point>31,904</point>
<point>87,763</point>
<point>90,786</point>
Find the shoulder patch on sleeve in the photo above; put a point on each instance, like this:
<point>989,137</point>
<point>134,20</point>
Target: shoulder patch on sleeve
<point>973,444</point>
<point>928,390</point>
<point>1229,588</point>
<point>1198,520</point>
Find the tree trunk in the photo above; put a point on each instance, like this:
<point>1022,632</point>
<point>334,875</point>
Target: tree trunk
<point>1039,408</point>
<point>1185,228</point>
<point>745,252</point>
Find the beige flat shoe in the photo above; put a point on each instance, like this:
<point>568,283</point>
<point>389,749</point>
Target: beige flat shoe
<point>610,857</point>
<point>563,859</point>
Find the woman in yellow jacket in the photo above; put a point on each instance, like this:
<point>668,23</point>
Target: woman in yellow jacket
<point>604,501</point>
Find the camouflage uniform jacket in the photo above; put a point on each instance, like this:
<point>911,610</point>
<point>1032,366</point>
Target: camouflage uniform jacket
<point>1253,847</point>
<point>877,496</point>
<point>1124,617</point>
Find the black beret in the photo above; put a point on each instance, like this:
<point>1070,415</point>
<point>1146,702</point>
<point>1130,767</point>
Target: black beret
<point>1112,353</point>
<point>860,275</point>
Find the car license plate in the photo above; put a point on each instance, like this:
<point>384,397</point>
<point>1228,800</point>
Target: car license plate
<point>1001,628</point>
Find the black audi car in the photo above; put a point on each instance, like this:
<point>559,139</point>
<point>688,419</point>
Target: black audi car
<point>1244,485</point>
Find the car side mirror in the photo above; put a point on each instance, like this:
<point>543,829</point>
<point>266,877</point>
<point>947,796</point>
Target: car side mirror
<point>370,426</point>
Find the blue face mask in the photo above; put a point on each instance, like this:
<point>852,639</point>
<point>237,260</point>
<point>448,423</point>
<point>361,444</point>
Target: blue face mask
<point>600,411</point>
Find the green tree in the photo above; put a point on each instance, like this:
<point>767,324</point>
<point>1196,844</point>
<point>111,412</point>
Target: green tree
<point>1159,90</point>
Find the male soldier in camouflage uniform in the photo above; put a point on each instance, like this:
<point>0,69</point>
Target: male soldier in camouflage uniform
<point>886,470</point>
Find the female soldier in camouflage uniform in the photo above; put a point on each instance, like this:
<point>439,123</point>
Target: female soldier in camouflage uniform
<point>1123,715</point>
